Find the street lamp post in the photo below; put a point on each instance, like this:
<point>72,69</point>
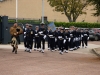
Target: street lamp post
<point>43,11</point>
<point>16,10</point>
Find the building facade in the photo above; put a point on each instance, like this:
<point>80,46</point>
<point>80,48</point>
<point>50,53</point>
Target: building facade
<point>33,9</point>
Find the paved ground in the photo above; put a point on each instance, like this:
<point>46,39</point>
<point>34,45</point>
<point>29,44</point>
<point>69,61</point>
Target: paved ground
<point>80,62</point>
<point>95,42</point>
<point>96,50</point>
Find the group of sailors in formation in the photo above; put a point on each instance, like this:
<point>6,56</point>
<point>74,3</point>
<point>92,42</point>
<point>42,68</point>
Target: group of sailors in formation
<point>62,39</point>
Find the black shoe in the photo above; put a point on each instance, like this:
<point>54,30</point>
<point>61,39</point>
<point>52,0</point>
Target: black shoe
<point>75,49</point>
<point>15,52</point>
<point>13,49</point>
<point>25,50</point>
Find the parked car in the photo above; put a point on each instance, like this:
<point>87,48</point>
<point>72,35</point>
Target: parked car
<point>94,34</point>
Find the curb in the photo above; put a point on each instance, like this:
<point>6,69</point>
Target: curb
<point>95,52</point>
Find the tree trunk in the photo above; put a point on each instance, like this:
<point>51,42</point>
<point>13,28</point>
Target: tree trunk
<point>74,20</point>
<point>70,19</point>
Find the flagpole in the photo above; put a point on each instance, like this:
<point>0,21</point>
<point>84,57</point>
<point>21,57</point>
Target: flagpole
<point>16,10</point>
<point>42,11</point>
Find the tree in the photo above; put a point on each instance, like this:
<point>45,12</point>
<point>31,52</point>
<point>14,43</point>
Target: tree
<point>71,8</point>
<point>96,4</point>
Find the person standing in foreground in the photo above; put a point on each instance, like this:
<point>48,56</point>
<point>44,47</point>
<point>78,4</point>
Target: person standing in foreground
<point>25,41</point>
<point>82,38</point>
<point>15,31</point>
<point>52,40</point>
<point>48,36</point>
<point>37,44</point>
<point>86,37</point>
<point>56,39</point>
<point>66,45</point>
<point>61,41</point>
<point>30,37</point>
<point>42,34</point>
<point>71,38</point>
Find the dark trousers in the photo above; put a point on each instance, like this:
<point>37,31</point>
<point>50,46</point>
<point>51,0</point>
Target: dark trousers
<point>61,45</point>
<point>71,43</point>
<point>43,42</point>
<point>77,43</point>
<point>52,43</point>
<point>56,44</point>
<point>37,43</point>
<point>66,45</point>
<point>74,42</point>
<point>84,41</point>
<point>80,42</point>
<point>25,42</point>
<point>30,44</point>
<point>48,42</point>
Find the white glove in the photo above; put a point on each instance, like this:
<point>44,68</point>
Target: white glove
<point>36,34</point>
<point>55,39</point>
<point>81,35</point>
<point>50,35</point>
<point>59,37</point>
<point>24,32</point>
<point>40,32</point>
<point>77,39</point>
<point>88,38</point>
<point>44,36</point>
<point>69,39</point>
<point>64,41</point>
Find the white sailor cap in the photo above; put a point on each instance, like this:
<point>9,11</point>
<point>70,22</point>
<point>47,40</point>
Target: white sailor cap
<point>27,24</point>
<point>37,27</point>
<point>66,28</point>
<point>62,28</point>
<point>30,25</point>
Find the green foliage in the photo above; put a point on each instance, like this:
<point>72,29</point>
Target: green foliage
<point>71,8</point>
<point>78,24</point>
<point>26,21</point>
<point>96,4</point>
<point>64,24</point>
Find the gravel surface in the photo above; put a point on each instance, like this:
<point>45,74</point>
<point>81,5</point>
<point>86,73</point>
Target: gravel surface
<point>49,63</point>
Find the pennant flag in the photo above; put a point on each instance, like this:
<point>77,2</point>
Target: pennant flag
<point>52,26</point>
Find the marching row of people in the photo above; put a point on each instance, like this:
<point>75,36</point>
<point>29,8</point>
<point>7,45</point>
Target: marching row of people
<point>62,39</point>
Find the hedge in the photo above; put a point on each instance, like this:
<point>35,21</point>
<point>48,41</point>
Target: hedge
<point>25,21</point>
<point>78,24</point>
<point>64,24</point>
